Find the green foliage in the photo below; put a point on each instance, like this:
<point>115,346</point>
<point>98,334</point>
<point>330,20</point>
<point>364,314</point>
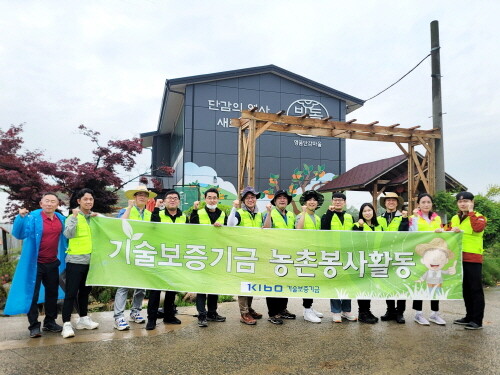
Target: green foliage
<point>491,265</point>
<point>445,203</point>
<point>225,299</point>
<point>491,210</point>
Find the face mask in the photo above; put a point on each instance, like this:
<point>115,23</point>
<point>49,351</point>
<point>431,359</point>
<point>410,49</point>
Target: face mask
<point>211,206</point>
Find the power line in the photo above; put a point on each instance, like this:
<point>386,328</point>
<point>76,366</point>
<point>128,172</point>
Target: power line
<point>421,61</point>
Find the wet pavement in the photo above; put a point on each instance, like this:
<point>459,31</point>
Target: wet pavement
<point>297,347</point>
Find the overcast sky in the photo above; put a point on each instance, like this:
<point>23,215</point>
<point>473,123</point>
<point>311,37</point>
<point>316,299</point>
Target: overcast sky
<point>104,64</point>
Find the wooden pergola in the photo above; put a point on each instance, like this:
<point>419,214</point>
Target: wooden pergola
<point>252,124</point>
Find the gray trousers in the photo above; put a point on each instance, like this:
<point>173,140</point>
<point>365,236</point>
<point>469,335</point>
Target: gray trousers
<point>121,300</point>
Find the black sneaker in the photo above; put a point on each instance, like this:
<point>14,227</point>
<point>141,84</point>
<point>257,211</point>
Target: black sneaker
<point>171,320</point>
<point>35,332</point>
<point>151,324</point>
<point>400,319</point>
<point>52,327</point>
<point>215,318</point>
<point>462,322</point>
<point>287,315</point>
<point>389,315</point>
<point>202,321</point>
<point>473,325</point>
<point>275,319</point>
<point>367,317</point>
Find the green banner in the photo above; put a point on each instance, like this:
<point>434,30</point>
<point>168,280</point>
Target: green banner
<point>275,262</point>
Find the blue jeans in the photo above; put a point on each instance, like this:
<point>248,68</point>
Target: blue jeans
<point>121,300</point>
<point>340,305</point>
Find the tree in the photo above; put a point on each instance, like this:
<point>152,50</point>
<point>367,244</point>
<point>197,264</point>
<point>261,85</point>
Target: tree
<point>25,175</point>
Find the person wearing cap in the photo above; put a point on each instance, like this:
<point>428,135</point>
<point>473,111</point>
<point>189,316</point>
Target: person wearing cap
<point>169,214</point>
<point>279,217</point>
<point>210,214</point>
<point>310,201</point>
<point>472,224</point>
<point>40,263</point>
<point>336,218</point>
<point>424,220</point>
<point>394,219</point>
<point>246,216</point>
<point>367,222</point>
<point>136,210</point>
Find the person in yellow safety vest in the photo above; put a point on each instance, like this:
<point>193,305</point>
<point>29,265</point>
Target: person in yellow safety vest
<point>472,224</point>
<point>210,214</point>
<point>247,215</point>
<point>425,220</point>
<point>136,210</point>
<point>336,218</point>
<point>279,217</point>
<point>310,201</point>
<point>165,211</point>
<point>367,222</point>
<point>77,230</point>
<point>393,219</point>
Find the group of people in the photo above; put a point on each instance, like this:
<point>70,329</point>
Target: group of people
<point>54,244</point>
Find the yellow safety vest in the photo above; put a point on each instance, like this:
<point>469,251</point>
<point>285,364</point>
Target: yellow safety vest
<point>279,222</point>
<point>310,224</point>
<point>424,226</point>
<point>166,219</point>
<point>248,221</point>
<point>136,215</point>
<point>366,227</point>
<point>205,219</point>
<point>472,242</point>
<point>336,224</point>
<point>393,226</point>
<point>82,242</point>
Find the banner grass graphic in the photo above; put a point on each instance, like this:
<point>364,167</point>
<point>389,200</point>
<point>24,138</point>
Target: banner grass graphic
<point>270,262</point>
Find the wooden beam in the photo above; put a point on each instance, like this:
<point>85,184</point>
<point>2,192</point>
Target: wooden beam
<point>424,143</point>
<point>393,126</point>
<point>280,113</point>
<point>402,149</point>
<point>372,123</point>
<point>262,128</point>
<point>414,127</point>
<point>318,123</point>
<point>423,177</point>
<point>351,121</point>
<point>326,118</point>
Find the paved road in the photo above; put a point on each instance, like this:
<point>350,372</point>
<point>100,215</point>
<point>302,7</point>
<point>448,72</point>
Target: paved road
<point>297,347</point>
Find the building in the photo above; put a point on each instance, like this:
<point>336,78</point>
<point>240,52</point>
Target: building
<point>194,135</point>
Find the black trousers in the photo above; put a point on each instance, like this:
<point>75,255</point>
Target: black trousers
<point>307,303</point>
<point>48,274</point>
<point>76,290</point>
<point>472,289</point>
<point>417,305</point>
<point>391,305</point>
<point>364,305</point>
<point>276,305</point>
<point>154,303</point>
<point>210,300</point>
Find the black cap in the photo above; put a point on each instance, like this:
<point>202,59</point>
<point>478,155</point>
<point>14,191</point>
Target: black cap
<point>465,195</point>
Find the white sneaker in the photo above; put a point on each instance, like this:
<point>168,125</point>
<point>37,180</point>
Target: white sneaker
<point>349,315</point>
<point>136,318</point>
<point>317,313</point>
<point>86,323</point>
<point>337,318</point>
<point>419,318</point>
<point>121,324</point>
<point>436,318</point>
<point>310,316</point>
<point>67,330</point>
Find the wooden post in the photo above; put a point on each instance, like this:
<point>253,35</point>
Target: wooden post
<point>251,152</point>
<point>411,177</point>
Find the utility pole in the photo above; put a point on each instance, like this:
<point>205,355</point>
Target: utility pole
<point>437,111</point>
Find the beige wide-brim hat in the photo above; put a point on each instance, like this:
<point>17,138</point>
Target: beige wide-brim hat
<point>391,195</point>
<point>140,189</point>
<point>436,243</point>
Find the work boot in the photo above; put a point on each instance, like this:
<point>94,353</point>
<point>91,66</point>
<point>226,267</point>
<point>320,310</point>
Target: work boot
<point>247,319</point>
<point>367,317</point>
<point>151,324</point>
<point>254,314</point>
<point>389,315</point>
